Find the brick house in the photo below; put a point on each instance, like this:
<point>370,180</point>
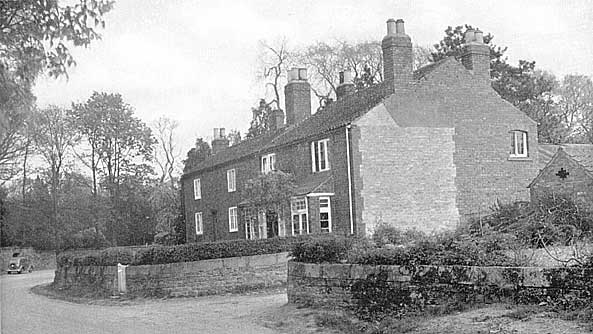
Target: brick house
<point>565,170</point>
<point>424,149</point>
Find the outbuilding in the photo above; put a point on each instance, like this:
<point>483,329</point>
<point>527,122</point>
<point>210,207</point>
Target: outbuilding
<point>565,170</point>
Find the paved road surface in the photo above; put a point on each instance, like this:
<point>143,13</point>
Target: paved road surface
<point>24,312</point>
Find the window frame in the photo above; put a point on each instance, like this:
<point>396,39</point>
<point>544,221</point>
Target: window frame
<point>197,189</point>
<point>199,223</point>
<point>233,214</point>
<point>327,210</point>
<point>317,154</point>
<point>270,159</point>
<point>515,144</point>
<point>303,225</point>
<point>231,182</point>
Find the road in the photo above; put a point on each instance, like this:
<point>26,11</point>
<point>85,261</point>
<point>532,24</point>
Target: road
<point>21,311</point>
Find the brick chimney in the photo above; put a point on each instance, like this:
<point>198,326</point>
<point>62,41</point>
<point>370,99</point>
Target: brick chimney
<point>476,55</point>
<point>346,86</point>
<point>276,119</point>
<point>219,141</point>
<point>398,57</point>
<point>297,95</point>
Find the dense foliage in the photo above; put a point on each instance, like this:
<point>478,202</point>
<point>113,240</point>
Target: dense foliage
<point>442,249</point>
<point>553,220</point>
<point>179,253</point>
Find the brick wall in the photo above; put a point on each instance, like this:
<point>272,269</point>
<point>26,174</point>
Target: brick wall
<point>578,184</point>
<point>330,285</point>
<point>295,159</point>
<point>184,278</point>
<point>406,175</point>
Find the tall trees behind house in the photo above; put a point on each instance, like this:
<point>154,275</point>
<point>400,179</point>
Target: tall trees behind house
<point>35,39</point>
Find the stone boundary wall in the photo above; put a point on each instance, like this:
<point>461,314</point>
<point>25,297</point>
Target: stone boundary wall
<point>331,285</point>
<point>197,278</point>
<point>41,260</point>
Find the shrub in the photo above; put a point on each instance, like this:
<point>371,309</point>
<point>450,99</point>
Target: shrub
<point>388,234</point>
<point>319,249</point>
<point>554,220</point>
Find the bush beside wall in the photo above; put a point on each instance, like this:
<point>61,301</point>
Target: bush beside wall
<point>180,253</point>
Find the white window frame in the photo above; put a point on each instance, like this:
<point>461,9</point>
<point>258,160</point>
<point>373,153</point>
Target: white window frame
<point>317,155</point>
<point>303,225</point>
<point>233,224</point>
<point>268,163</point>
<point>515,144</point>
<point>197,189</point>
<point>231,180</point>
<point>327,210</point>
<point>199,223</point>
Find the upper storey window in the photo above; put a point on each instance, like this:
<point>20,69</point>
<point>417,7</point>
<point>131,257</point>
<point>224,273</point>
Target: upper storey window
<point>268,163</point>
<point>519,144</point>
<point>319,155</point>
<point>197,189</point>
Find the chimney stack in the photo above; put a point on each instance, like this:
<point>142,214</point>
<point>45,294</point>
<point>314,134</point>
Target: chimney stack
<point>476,55</point>
<point>398,57</point>
<point>276,120</point>
<point>346,86</point>
<point>219,140</point>
<point>297,95</point>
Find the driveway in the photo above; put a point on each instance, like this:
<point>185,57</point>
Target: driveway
<point>24,312</point>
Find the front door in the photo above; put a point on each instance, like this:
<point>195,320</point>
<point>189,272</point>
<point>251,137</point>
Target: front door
<point>272,224</point>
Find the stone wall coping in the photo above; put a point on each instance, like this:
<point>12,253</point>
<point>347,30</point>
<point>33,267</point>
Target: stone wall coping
<point>261,260</point>
<point>472,275</point>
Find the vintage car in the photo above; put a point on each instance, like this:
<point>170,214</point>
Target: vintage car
<point>19,264</point>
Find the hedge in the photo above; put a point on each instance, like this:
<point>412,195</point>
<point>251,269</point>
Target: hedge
<point>441,250</point>
<point>179,253</point>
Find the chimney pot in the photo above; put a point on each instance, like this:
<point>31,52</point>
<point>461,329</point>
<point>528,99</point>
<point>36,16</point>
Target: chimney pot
<point>399,27</point>
<point>469,36</point>
<point>346,86</point>
<point>479,36</point>
<point>345,77</point>
<point>303,74</point>
<point>391,27</point>
<point>215,135</point>
<point>293,74</point>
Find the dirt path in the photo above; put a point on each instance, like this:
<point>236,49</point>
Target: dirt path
<point>24,312</point>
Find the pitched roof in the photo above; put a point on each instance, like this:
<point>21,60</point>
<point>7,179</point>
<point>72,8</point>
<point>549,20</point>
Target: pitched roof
<point>337,114</point>
<point>581,153</point>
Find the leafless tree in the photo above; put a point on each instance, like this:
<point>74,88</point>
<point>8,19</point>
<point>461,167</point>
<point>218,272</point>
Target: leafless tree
<point>166,153</point>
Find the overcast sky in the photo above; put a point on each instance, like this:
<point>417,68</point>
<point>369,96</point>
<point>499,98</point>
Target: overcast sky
<point>195,61</point>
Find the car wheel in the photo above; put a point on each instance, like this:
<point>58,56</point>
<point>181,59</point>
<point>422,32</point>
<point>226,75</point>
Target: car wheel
<point>31,269</point>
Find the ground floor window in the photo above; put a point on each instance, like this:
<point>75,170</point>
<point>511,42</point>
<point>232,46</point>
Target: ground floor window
<point>262,224</point>
<point>325,218</point>
<point>300,221</point>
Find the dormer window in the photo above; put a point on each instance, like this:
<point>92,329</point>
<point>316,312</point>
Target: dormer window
<point>519,144</point>
<point>268,163</point>
<point>319,156</point>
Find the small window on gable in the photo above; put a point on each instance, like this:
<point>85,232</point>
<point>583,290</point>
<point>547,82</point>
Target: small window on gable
<point>230,180</point>
<point>233,225</point>
<point>197,189</point>
<point>319,155</point>
<point>199,223</point>
<point>519,145</point>
<point>268,163</point>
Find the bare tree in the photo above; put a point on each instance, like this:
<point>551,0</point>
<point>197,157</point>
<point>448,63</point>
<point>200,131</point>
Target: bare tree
<point>166,153</point>
<point>575,107</point>
<point>275,60</point>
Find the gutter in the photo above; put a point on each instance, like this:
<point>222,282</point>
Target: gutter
<point>349,177</point>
